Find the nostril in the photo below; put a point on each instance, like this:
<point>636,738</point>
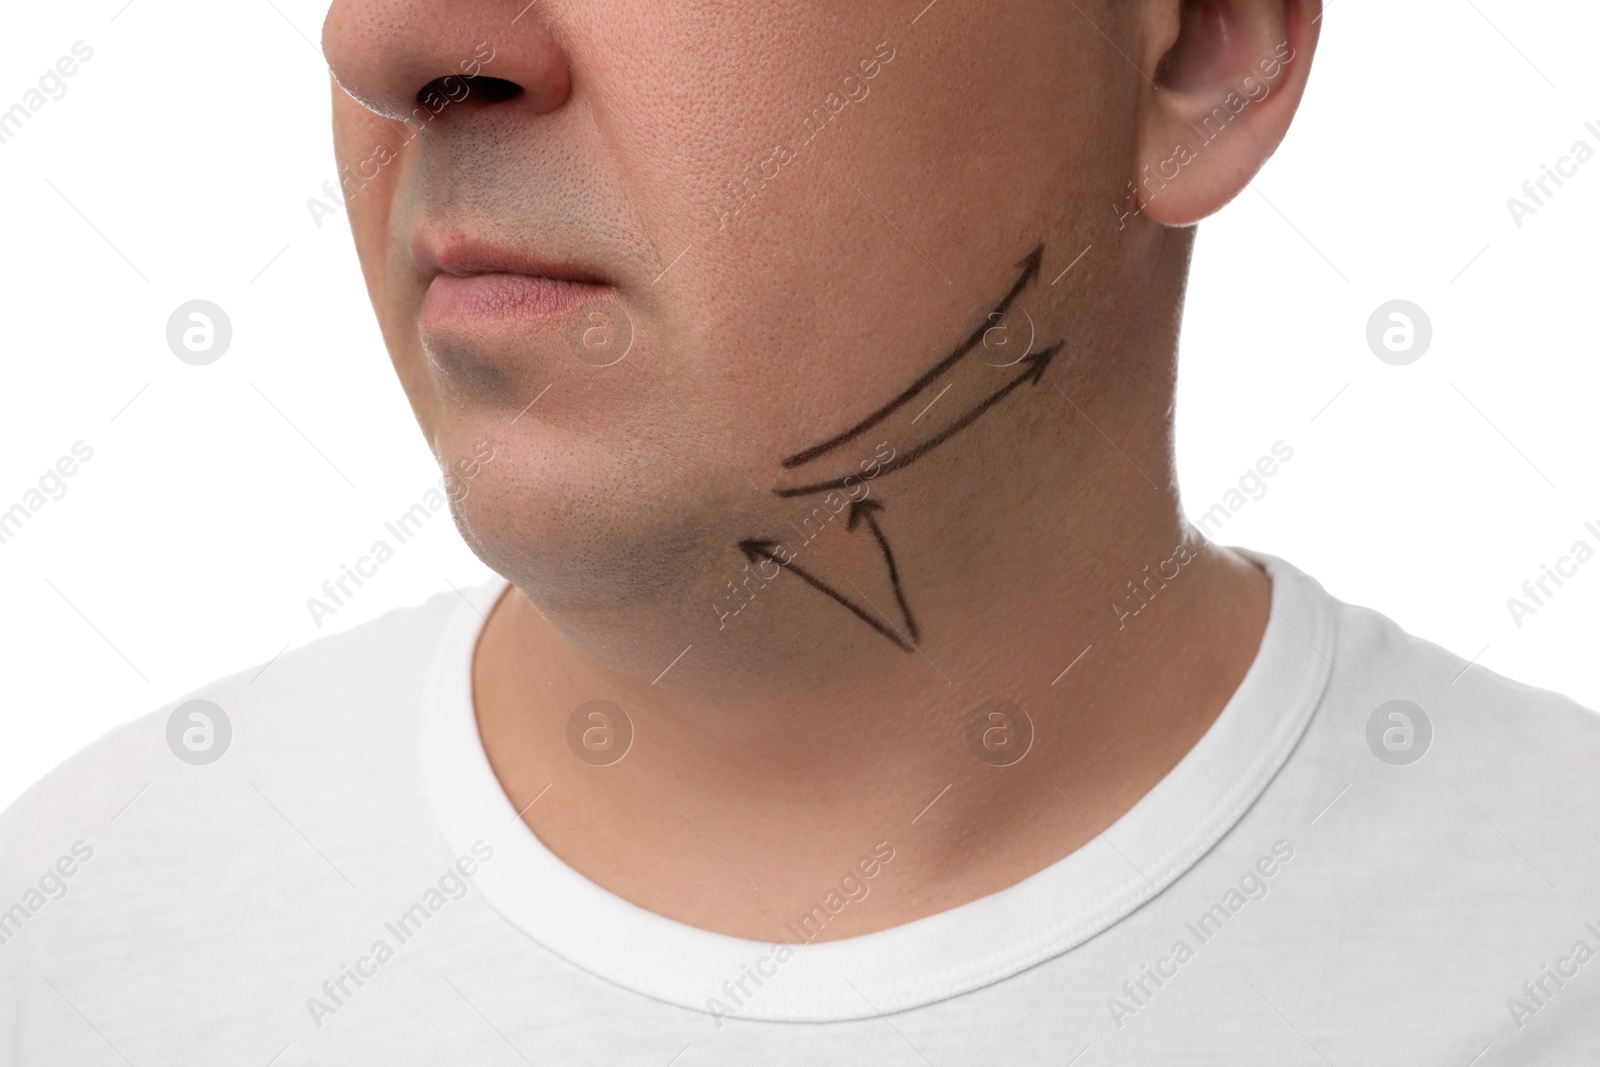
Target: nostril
<point>457,88</point>
<point>495,90</point>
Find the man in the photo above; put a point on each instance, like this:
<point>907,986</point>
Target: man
<point>857,692</point>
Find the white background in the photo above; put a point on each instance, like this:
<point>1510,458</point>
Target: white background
<point>179,164</point>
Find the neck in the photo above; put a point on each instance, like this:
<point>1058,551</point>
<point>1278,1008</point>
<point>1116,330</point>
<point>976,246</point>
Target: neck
<point>1048,643</point>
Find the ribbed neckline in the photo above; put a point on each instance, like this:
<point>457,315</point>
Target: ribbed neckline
<point>930,959</point>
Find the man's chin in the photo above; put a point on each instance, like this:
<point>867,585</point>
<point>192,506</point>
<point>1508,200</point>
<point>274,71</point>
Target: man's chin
<point>584,553</point>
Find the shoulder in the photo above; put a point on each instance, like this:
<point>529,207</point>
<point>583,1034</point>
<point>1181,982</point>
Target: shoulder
<point>344,699</point>
<point>1415,728</point>
<point>1409,734</point>
<point>1467,704</point>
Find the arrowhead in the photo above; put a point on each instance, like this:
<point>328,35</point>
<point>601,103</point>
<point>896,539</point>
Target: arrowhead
<point>859,508</point>
<point>756,549</point>
<point>1039,362</point>
<point>1031,265</point>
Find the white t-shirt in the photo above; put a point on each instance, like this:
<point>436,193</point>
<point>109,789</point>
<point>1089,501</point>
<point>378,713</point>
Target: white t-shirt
<point>1328,877</point>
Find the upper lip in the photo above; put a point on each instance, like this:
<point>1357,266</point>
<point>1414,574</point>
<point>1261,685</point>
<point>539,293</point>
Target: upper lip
<point>465,256</point>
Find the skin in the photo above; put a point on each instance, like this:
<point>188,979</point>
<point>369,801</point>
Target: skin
<point>790,738</point>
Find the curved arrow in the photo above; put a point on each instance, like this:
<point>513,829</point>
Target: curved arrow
<point>1030,271</point>
<point>756,549</point>
<point>1035,366</point>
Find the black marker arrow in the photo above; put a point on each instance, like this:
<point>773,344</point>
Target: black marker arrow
<point>1030,270</point>
<point>864,509</point>
<point>1035,366</point>
<point>756,550</point>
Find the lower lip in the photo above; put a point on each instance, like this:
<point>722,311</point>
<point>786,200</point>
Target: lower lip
<point>505,297</point>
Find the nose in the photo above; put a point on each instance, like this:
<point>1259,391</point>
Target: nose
<point>409,59</point>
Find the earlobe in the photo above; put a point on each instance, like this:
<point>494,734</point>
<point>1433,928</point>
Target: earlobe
<point>1219,102</point>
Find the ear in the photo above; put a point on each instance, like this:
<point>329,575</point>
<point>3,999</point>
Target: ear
<point>1227,79</point>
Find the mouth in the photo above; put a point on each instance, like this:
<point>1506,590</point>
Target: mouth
<point>476,284</point>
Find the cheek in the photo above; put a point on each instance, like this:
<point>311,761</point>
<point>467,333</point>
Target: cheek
<point>831,249</point>
<point>367,150</point>
<point>361,140</point>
